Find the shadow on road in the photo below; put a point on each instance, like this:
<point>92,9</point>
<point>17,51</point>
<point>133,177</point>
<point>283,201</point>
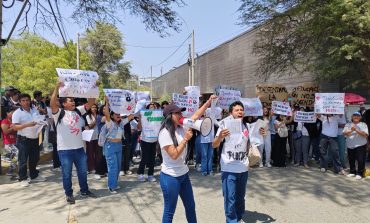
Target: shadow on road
<point>254,216</point>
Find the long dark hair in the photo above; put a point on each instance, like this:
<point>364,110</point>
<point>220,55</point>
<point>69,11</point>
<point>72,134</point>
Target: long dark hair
<point>170,126</point>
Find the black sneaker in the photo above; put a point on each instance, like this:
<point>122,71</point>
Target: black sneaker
<point>88,194</point>
<point>70,200</point>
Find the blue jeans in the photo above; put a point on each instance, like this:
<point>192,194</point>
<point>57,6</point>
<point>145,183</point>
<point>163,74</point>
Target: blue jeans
<point>329,145</point>
<point>234,186</point>
<point>79,158</point>
<point>172,187</point>
<point>342,149</point>
<point>207,157</point>
<point>315,142</point>
<point>113,155</point>
<point>198,150</point>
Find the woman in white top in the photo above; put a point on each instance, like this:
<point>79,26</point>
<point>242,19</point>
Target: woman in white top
<point>266,118</point>
<point>174,178</point>
<point>356,133</point>
<point>92,146</point>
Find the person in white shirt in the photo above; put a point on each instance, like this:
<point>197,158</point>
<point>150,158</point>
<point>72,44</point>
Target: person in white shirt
<point>70,146</point>
<point>356,133</point>
<point>234,164</point>
<point>92,150</point>
<point>174,177</point>
<point>329,142</point>
<point>25,122</point>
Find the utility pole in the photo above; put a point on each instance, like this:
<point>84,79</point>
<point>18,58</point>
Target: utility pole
<point>192,59</point>
<point>151,83</point>
<point>189,63</point>
<point>78,51</point>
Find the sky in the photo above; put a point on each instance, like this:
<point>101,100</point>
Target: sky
<point>213,21</point>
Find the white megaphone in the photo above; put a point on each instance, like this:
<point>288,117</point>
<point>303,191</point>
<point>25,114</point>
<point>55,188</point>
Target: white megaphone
<point>203,126</point>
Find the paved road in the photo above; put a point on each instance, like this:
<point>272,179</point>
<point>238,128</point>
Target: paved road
<point>273,195</point>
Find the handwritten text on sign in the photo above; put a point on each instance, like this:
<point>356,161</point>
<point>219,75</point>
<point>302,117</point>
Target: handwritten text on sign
<point>151,121</point>
<point>252,106</point>
<point>226,97</point>
<point>329,103</point>
<point>78,83</point>
<point>121,101</point>
<point>305,94</point>
<point>271,92</point>
<point>189,102</point>
<point>305,117</point>
<point>281,108</point>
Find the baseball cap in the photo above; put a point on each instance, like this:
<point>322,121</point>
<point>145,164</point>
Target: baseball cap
<point>10,88</point>
<point>357,113</point>
<point>172,108</point>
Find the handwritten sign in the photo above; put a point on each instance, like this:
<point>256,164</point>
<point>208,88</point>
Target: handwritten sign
<point>78,83</point>
<point>304,95</point>
<point>151,121</point>
<point>305,117</point>
<point>121,101</point>
<point>271,92</point>
<point>191,103</point>
<point>329,103</point>
<point>252,106</point>
<point>281,108</point>
<point>226,97</point>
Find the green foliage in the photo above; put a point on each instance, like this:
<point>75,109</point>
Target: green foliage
<point>165,97</point>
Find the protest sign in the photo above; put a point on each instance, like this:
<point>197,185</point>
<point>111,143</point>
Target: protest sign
<point>304,94</point>
<point>281,108</point>
<point>329,103</point>
<point>189,102</point>
<point>121,101</point>
<point>193,91</point>
<point>151,121</point>
<point>139,95</point>
<point>255,136</point>
<point>252,106</point>
<point>78,83</point>
<point>226,97</point>
<point>271,92</point>
<point>305,117</point>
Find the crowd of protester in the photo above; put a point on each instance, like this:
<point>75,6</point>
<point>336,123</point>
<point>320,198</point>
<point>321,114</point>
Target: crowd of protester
<point>333,141</point>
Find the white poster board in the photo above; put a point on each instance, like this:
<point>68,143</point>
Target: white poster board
<point>226,97</point>
<point>78,83</point>
<point>151,121</point>
<point>329,103</point>
<point>191,103</point>
<point>252,106</point>
<point>193,91</point>
<point>254,133</point>
<point>121,101</point>
<point>305,117</point>
<point>281,108</point>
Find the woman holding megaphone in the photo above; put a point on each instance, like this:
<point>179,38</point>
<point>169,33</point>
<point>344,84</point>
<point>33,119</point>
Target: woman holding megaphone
<point>174,177</point>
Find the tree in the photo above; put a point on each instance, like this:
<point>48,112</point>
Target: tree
<point>105,48</point>
<point>330,38</point>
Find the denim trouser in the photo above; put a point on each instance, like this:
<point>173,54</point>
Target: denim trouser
<point>113,155</point>
<point>234,186</point>
<point>28,150</point>
<point>172,187</point>
<point>315,142</point>
<point>331,143</point>
<point>198,150</point>
<point>79,158</point>
<point>207,157</point>
<point>342,149</point>
<point>302,147</point>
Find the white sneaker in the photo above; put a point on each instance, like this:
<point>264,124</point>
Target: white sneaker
<point>199,168</point>
<point>24,183</point>
<point>97,177</point>
<point>241,221</point>
<point>323,170</point>
<point>358,177</point>
<point>261,165</point>
<point>351,175</point>
<point>128,172</point>
<point>121,173</point>
<point>39,178</point>
<point>151,179</point>
<point>268,165</point>
<point>141,178</point>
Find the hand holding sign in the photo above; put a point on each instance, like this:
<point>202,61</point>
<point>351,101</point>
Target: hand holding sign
<point>121,101</point>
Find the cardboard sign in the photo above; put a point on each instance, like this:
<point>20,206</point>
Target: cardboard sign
<point>226,97</point>
<point>121,101</point>
<point>271,92</point>
<point>252,106</point>
<point>151,121</point>
<point>189,102</point>
<point>329,103</point>
<point>304,95</point>
<point>281,108</point>
<point>305,117</point>
<point>78,83</point>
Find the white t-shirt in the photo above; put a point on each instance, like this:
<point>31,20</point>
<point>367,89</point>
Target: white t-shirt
<point>21,116</point>
<point>69,134</point>
<point>300,127</point>
<point>234,157</point>
<point>90,121</point>
<point>330,125</point>
<point>355,140</point>
<point>172,167</point>
<point>341,121</point>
